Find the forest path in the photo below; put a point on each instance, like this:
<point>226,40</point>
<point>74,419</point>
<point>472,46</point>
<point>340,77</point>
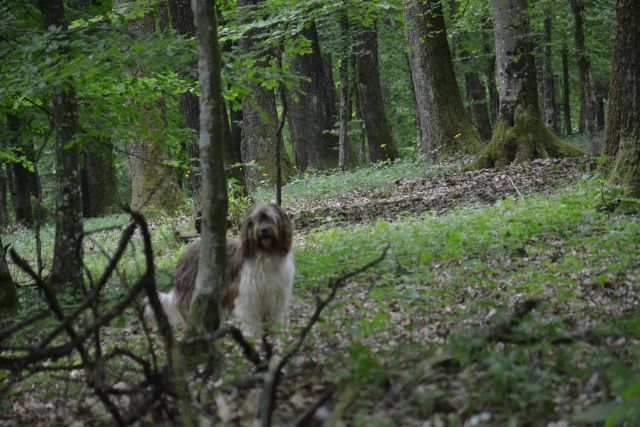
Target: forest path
<point>438,193</point>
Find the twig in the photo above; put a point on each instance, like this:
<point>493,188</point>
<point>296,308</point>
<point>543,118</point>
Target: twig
<point>515,188</point>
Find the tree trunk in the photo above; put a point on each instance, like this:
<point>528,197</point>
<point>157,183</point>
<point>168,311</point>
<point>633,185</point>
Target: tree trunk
<point>601,93</point>
<point>4,210</point>
<point>182,20</point>
<point>379,138</point>
<point>566,90</point>
<point>205,314</point>
<point>312,110</point>
<point>623,122</point>
<point>24,183</point>
<point>587,97</point>
<point>520,134</point>
<point>8,294</point>
<point>446,130</point>
<point>345,110</point>
<point>490,74</point>
<point>98,181</point>
<point>154,186</point>
<point>549,106</point>
<point>478,99</point>
<point>260,122</point>
<point>67,252</point>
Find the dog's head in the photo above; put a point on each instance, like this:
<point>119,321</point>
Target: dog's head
<point>267,228</point>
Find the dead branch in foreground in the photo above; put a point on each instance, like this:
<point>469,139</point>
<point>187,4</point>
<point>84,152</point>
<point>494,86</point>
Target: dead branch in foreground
<point>274,374</point>
<point>157,383</point>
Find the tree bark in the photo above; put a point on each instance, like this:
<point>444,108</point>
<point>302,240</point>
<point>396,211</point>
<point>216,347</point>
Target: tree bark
<point>623,123</point>
<point>520,134</point>
<point>478,99</point>
<point>566,90</point>
<point>312,109</point>
<point>549,105</point>
<point>490,74</point>
<point>345,110</point>
<point>154,186</point>
<point>24,183</point>
<point>67,252</point>
<point>98,181</point>
<point>205,314</point>
<point>379,138</point>
<point>4,210</point>
<point>587,97</point>
<point>445,129</point>
<point>8,294</point>
<point>260,121</point>
<point>182,21</point>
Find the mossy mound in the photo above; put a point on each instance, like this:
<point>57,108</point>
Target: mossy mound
<point>526,140</point>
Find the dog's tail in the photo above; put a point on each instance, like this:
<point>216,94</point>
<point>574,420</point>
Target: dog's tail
<point>169,306</point>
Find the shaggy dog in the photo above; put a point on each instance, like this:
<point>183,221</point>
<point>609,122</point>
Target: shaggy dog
<point>258,277</point>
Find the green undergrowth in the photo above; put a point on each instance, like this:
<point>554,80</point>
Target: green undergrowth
<point>423,325</point>
<point>429,335</point>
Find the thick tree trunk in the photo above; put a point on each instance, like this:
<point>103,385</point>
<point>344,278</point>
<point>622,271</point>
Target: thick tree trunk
<point>566,91</point>
<point>99,184</point>
<point>312,109</point>
<point>4,210</point>
<point>205,314</point>
<point>24,183</point>
<point>623,122</point>
<point>8,294</point>
<point>67,252</point>
<point>345,110</point>
<point>260,123</point>
<point>379,138</point>
<point>549,106</point>
<point>445,128</point>
<point>520,134</point>
<point>587,97</point>
<point>154,186</point>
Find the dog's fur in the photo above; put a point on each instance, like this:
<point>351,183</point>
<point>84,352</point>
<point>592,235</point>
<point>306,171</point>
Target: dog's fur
<point>258,277</point>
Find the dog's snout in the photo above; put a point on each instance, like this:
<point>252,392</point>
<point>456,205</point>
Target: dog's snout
<point>264,231</point>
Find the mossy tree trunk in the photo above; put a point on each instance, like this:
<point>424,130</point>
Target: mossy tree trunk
<point>623,123</point>
<point>379,138</point>
<point>520,134</point>
<point>154,186</point>
<point>445,129</point>
<point>67,252</point>
<point>260,121</point>
<point>312,109</point>
<point>205,315</point>
<point>8,294</point>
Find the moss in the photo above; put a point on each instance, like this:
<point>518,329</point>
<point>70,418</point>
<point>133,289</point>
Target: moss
<point>465,142</point>
<point>526,140</point>
<point>626,172</point>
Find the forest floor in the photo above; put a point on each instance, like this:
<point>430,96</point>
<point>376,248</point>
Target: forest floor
<point>507,297</point>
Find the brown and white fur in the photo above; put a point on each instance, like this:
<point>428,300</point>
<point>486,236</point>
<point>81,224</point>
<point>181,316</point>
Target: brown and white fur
<point>258,278</point>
